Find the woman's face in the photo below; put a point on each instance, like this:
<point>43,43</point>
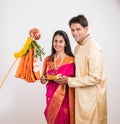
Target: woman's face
<point>59,43</point>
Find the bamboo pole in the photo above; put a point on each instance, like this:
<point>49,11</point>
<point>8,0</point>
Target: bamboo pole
<point>5,77</point>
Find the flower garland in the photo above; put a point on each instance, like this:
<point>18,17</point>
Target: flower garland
<point>24,49</point>
<point>27,46</point>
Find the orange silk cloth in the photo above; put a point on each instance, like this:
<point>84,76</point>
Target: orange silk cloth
<point>25,68</point>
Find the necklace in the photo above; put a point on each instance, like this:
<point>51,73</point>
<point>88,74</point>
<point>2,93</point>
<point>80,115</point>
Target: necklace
<point>59,64</point>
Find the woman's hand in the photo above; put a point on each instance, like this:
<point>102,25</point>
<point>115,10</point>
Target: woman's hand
<point>43,79</point>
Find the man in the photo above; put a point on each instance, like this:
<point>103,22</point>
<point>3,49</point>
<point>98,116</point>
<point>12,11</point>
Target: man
<point>89,80</point>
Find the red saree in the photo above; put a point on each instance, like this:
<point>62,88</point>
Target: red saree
<point>59,98</point>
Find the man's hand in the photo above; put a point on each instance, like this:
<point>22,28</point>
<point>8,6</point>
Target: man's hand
<point>62,80</point>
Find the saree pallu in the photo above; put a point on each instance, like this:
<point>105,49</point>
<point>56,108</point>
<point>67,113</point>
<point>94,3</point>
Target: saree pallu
<point>60,98</point>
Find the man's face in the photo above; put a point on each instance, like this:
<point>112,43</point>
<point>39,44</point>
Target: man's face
<point>79,32</point>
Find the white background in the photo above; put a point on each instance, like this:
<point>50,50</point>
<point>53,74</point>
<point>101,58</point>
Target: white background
<point>23,103</point>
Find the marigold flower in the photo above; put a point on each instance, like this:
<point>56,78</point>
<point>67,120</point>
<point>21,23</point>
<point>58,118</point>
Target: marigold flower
<point>24,49</point>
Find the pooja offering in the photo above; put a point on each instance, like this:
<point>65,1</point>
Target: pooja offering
<point>53,77</point>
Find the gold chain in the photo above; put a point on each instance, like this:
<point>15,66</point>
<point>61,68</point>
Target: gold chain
<point>57,66</point>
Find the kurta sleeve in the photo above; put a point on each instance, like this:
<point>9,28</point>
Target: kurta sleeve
<point>95,73</point>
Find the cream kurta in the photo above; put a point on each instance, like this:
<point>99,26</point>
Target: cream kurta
<point>90,91</point>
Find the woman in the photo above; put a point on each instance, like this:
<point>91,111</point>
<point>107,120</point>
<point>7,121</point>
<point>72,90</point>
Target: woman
<point>59,98</point>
